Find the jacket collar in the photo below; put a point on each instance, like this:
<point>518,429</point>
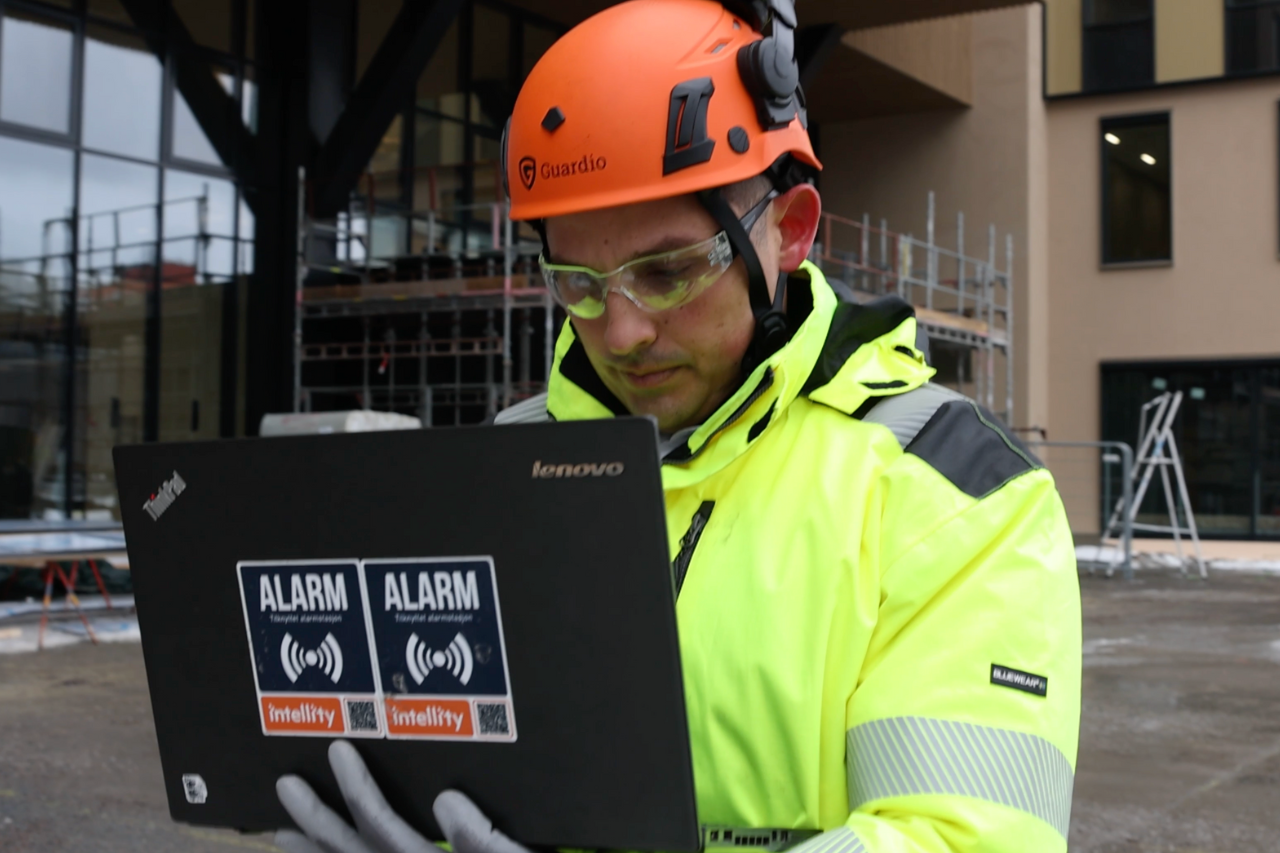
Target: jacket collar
<point>843,355</point>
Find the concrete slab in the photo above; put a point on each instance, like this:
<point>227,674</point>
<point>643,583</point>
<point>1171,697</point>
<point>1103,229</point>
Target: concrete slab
<point>1180,736</point>
<point>1180,740</point>
<point>79,767</point>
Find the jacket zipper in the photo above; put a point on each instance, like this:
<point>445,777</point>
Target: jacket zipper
<point>680,565</point>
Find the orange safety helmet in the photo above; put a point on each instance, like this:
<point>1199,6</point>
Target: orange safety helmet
<point>651,99</point>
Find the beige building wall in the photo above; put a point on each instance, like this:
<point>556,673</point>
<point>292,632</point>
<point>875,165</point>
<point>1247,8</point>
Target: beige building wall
<point>937,52</point>
<point>1220,298</point>
<point>1063,46</point>
<point>986,160</point>
<point>1190,39</point>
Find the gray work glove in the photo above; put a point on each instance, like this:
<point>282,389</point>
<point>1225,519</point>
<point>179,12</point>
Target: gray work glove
<point>378,828</point>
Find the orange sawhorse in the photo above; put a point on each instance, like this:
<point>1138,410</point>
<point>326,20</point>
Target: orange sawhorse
<point>52,569</point>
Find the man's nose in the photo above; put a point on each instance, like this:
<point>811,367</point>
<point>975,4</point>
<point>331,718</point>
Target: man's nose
<point>628,329</point>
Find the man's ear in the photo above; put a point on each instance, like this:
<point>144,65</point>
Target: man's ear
<point>799,211</point>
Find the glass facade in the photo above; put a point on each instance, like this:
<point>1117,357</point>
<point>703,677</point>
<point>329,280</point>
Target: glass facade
<point>442,154</point>
<point>1118,44</point>
<point>1228,433</point>
<point>123,240</point>
<point>1137,204</point>
<point>1253,36</point>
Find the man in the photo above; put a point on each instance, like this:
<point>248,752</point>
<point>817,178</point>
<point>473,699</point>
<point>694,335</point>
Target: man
<point>878,606</point>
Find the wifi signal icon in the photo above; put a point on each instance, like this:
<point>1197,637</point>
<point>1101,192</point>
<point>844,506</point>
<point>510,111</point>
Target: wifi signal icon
<point>456,658</point>
<point>328,658</point>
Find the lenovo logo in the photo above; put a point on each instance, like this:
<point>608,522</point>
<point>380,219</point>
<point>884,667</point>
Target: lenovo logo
<point>164,497</point>
<point>583,469</point>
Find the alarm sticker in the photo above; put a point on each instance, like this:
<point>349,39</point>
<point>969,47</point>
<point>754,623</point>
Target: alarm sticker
<point>440,654</point>
<point>399,648</point>
<point>309,641</point>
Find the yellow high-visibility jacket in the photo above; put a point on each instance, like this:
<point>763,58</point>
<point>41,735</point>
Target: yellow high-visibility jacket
<point>878,607</point>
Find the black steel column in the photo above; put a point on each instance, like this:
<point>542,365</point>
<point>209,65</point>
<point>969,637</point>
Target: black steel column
<point>284,143</point>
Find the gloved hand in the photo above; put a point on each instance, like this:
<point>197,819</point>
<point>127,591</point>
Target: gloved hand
<point>378,829</point>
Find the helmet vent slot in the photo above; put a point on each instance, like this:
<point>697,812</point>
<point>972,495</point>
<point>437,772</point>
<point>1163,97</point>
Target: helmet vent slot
<point>553,119</point>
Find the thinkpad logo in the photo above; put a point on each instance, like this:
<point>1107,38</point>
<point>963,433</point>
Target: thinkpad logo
<point>583,469</point>
<point>164,497</point>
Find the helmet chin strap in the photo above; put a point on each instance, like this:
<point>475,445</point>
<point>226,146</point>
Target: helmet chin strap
<point>772,330</point>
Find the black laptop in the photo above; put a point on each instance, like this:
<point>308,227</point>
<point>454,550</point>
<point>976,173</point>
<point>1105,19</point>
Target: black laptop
<point>487,609</point>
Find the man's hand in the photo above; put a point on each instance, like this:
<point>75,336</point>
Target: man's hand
<point>378,829</point>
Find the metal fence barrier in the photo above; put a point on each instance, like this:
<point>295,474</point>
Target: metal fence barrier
<point>1093,477</point>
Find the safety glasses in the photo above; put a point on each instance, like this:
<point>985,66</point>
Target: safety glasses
<point>652,283</point>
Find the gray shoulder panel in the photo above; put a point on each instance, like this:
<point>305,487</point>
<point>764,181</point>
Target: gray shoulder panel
<point>958,438</point>
<point>531,411</point>
<point>906,414</point>
<point>964,443</point>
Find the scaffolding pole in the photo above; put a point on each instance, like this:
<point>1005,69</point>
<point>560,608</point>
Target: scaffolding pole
<point>1008,330</point>
<point>450,274</point>
<point>973,310</point>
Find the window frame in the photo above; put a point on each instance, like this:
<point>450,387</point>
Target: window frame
<point>169,92</point>
<point>80,20</point>
<point>1227,72</point>
<point>76,24</point>
<point>1255,366</point>
<point>1086,28</point>
<point>1105,125</point>
<point>472,129</point>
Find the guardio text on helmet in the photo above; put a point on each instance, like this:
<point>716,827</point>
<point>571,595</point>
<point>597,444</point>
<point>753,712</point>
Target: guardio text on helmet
<point>585,164</point>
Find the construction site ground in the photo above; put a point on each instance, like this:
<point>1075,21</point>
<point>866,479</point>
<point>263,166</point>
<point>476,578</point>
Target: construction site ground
<point>1179,748</point>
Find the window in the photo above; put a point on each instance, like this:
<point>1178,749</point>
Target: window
<point>1253,36</point>
<point>122,81</point>
<point>98,197</point>
<point>36,198</point>
<point>1137,216</point>
<point>35,72</point>
<point>442,154</point>
<point>1228,433</point>
<point>188,140</point>
<point>1118,44</point>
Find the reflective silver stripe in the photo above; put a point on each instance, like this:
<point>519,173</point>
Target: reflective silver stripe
<point>839,840</point>
<point>531,411</point>
<point>919,755</point>
<point>906,414</point>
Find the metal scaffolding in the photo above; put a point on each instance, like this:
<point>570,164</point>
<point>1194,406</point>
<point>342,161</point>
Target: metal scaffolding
<point>960,299</point>
<point>471,267</point>
<point>470,264</point>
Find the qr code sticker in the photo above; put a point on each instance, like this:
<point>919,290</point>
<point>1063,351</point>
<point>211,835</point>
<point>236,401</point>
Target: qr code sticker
<point>493,718</point>
<point>363,716</point>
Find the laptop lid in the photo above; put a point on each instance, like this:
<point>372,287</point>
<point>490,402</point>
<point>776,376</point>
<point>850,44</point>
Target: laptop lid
<point>488,609</point>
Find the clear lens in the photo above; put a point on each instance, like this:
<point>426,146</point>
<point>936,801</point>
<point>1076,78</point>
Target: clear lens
<point>581,293</point>
<point>654,283</point>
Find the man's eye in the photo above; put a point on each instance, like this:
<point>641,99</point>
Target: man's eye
<point>579,282</point>
<point>667,273</point>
